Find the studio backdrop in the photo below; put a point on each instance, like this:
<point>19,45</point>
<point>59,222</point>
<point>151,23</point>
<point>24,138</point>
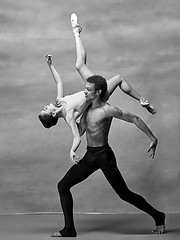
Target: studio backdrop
<point>138,39</point>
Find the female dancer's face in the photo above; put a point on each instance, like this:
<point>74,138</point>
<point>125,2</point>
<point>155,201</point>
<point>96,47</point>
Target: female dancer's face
<point>48,109</point>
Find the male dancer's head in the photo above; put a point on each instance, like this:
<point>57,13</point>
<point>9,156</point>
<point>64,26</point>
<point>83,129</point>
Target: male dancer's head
<point>96,86</point>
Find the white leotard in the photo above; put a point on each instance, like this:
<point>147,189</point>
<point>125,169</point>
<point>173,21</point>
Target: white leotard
<point>74,101</point>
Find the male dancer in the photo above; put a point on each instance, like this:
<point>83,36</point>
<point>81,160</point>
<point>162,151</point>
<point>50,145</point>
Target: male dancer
<point>96,122</point>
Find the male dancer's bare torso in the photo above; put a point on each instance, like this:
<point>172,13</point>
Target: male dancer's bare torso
<point>97,125</point>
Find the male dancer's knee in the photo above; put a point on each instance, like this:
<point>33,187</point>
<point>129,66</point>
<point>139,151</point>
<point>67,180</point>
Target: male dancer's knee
<point>131,197</point>
<point>126,195</point>
<point>62,187</point>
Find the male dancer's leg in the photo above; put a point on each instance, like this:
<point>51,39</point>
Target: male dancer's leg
<point>117,182</point>
<point>76,174</point>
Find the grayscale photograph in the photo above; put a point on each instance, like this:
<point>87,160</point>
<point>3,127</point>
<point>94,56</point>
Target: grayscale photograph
<point>90,121</point>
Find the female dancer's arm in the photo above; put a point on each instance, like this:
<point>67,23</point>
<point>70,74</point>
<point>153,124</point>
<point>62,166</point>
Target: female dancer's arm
<point>70,119</point>
<point>56,77</point>
<point>81,109</point>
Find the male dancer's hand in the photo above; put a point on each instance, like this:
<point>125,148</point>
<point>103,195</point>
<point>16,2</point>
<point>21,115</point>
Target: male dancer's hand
<point>74,158</point>
<point>152,147</point>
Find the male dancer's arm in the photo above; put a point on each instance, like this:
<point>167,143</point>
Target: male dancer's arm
<point>132,118</point>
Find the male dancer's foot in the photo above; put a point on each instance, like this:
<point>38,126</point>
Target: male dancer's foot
<point>64,233</point>
<point>75,25</point>
<point>144,103</point>
<point>160,224</point>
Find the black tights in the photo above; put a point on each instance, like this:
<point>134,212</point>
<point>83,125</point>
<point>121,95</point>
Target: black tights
<point>98,158</point>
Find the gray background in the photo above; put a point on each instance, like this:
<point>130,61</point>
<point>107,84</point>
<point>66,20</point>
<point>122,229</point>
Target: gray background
<point>136,38</point>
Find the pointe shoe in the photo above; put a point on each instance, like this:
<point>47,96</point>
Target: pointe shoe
<point>75,25</point>
<point>144,103</point>
<point>74,20</point>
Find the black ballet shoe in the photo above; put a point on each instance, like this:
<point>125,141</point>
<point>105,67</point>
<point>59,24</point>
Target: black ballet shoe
<point>56,234</point>
<point>160,224</point>
<point>64,233</point>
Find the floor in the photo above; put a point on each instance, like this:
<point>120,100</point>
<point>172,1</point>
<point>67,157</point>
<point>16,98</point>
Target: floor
<point>89,226</point>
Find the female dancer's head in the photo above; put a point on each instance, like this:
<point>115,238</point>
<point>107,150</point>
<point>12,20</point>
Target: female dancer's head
<point>48,116</point>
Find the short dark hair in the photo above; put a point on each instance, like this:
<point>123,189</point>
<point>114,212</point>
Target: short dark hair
<point>48,120</point>
<point>99,84</point>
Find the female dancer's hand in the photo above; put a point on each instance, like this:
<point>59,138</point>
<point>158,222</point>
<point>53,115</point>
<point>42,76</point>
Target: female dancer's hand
<point>74,158</point>
<point>48,58</point>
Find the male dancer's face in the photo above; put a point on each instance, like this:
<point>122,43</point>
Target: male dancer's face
<point>90,92</point>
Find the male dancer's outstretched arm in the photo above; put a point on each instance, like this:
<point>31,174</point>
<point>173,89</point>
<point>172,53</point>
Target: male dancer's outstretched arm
<point>115,112</point>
